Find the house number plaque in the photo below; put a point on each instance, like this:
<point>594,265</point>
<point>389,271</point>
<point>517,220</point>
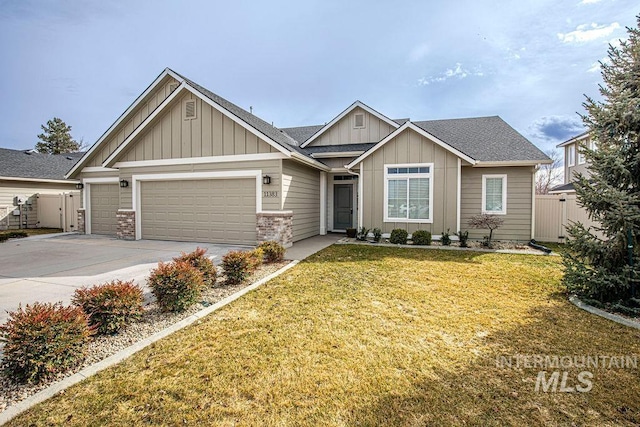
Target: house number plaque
<point>267,194</point>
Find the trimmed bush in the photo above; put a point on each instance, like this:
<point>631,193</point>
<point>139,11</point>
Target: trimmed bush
<point>421,238</point>
<point>201,262</point>
<point>43,340</point>
<point>237,266</point>
<point>4,236</point>
<point>377,235</point>
<point>273,251</point>
<point>463,236</point>
<point>398,236</point>
<point>176,285</point>
<point>110,306</point>
<point>446,238</point>
<point>256,258</point>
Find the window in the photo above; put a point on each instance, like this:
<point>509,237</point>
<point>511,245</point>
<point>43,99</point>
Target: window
<point>571,155</point>
<point>581,158</point>
<point>494,194</point>
<point>407,193</point>
<point>358,121</point>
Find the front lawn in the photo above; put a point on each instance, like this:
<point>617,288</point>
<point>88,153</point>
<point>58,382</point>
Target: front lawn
<point>360,335</point>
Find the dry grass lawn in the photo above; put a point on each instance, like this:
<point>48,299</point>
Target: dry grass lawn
<point>360,335</point>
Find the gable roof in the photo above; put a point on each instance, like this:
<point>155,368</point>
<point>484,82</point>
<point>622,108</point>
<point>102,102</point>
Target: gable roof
<point>36,166</point>
<point>302,133</point>
<point>350,108</point>
<point>485,139</point>
<point>576,138</point>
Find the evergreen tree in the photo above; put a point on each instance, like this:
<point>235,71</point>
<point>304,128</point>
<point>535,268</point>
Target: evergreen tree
<point>606,269</point>
<point>56,138</point>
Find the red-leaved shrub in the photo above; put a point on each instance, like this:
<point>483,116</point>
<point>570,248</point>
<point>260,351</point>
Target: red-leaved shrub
<point>273,251</point>
<point>237,266</point>
<point>176,285</point>
<point>199,260</point>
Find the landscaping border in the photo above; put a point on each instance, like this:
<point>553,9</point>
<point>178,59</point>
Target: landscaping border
<point>605,314</point>
<point>15,410</point>
<point>447,248</point>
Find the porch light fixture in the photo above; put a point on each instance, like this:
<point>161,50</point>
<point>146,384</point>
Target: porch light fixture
<point>124,183</point>
<point>266,180</point>
<point>79,186</point>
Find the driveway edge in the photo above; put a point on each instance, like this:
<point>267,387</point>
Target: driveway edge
<point>116,358</point>
<point>598,312</point>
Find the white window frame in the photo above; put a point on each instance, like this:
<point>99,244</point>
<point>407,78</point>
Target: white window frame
<point>388,176</point>
<point>581,159</point>
<point>364,120</point>
<point>504,194</point>
<point>571,155</point>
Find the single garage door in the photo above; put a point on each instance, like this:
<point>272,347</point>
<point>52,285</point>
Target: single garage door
<point>211,210</point>
<point>105,199</point>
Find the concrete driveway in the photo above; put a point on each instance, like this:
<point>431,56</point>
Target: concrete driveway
<point>49,269</point>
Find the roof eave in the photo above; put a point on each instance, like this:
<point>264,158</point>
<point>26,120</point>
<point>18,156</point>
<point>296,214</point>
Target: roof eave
<point>47,180</point>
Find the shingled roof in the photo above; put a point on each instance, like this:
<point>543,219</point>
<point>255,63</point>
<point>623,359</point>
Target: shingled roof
<point>32,165</point>
<point>485,139</point>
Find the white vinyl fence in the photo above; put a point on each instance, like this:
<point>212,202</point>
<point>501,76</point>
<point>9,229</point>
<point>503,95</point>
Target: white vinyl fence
<point>554,212</point>
<point>58,210</point>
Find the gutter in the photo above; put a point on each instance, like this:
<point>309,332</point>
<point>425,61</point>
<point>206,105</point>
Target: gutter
<point>55,181</point>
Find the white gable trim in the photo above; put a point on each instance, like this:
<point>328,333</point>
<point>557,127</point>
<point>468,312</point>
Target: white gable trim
<point>409,125</point>
<point>344,113</point>
<point>55,181</point>
<point>201,160</point>
<point>152,86</point>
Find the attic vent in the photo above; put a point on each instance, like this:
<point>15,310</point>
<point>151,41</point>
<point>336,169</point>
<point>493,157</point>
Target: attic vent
<point>173,86</point>
<point>359,121</point>
<point>189,109</point>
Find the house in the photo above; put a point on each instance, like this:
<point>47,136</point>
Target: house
<point>574,161</point>
<point>182,163</point>
<point>26,174</point>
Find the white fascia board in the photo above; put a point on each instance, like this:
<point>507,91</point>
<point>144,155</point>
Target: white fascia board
<point>200,160</point>
<point>334,154</point>
<point>580,137</point>
<point>52,181</point>
<point>482,164</point>
<point>152,86</point>
<point>344,113</point>
<point>93,169</point>
<point>238,120</point>
<point>111,159</point>
<point>409,125</point>
<point>304,159</point>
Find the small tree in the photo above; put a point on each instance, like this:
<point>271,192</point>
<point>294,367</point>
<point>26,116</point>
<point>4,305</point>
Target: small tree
<point>487,222</point>
<point>606,269</point>
<point>56,138</point>
<point>550,175</point>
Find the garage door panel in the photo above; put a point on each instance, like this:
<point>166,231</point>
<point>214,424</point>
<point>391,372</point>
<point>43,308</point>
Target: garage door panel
<point>105,200</point>
<point>215,210</point>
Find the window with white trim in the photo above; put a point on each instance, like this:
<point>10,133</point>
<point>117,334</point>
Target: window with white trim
<point>408,190</point>
<point>494,194</point>
<point>571,155</point>
<point>581,159</point>
<point>358,121</point>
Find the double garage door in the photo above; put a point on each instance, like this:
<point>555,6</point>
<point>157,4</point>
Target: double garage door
<point>211,210</point>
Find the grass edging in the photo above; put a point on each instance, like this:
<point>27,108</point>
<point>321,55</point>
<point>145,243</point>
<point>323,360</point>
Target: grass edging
<point>605,314</point>
<point>450,248</point>
<point>15,410</point>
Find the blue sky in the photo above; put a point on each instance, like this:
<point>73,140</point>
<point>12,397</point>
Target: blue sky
<point>302,62</point>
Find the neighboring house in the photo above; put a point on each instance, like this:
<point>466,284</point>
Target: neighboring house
<point>574,161</point>
<point>24,174</point>
<point>182,163</point>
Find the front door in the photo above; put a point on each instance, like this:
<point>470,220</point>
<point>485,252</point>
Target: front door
<point>342,206</point>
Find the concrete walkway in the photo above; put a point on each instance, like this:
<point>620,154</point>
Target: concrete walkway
<point>50,269</point>
<point>307,247</point>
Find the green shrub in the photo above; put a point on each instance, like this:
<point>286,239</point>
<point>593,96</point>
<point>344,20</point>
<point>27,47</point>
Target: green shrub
<point>110,306</point>
<point>377,235</point>
<point>237,266</point>
<point>176,285</point>
<point>463,237</point>
<point>202,263</point>
<point>273,251</point>
<point>398,236</point>
<point>421,238</point>
<point>6,235</point>
<point>43,340</point>
<point>362,234</point>
<point>446,238</point>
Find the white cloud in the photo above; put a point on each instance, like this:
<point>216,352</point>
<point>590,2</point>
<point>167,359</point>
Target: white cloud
<point>595,67</point>
<point>588,32</point>
<point>457,72</point>
<point>590,1</point>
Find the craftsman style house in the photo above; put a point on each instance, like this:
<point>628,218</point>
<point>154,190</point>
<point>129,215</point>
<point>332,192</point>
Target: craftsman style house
<point>182,163</point>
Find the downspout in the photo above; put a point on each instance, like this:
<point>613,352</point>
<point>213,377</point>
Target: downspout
<point>359,195</point>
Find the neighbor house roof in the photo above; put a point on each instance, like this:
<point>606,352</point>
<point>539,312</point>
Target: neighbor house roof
<point>563,188</point>
<point>32,165</point>
<point>573,139</point>
<point>485,139</point>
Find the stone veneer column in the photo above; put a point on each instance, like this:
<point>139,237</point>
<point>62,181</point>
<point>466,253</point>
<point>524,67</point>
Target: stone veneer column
<point>126,224</point>
<point>81,221</point>
<point>275,225</point>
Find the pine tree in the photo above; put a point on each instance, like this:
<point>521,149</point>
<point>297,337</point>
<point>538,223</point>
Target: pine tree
<point>56,138</point>
<point>606,269</point>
